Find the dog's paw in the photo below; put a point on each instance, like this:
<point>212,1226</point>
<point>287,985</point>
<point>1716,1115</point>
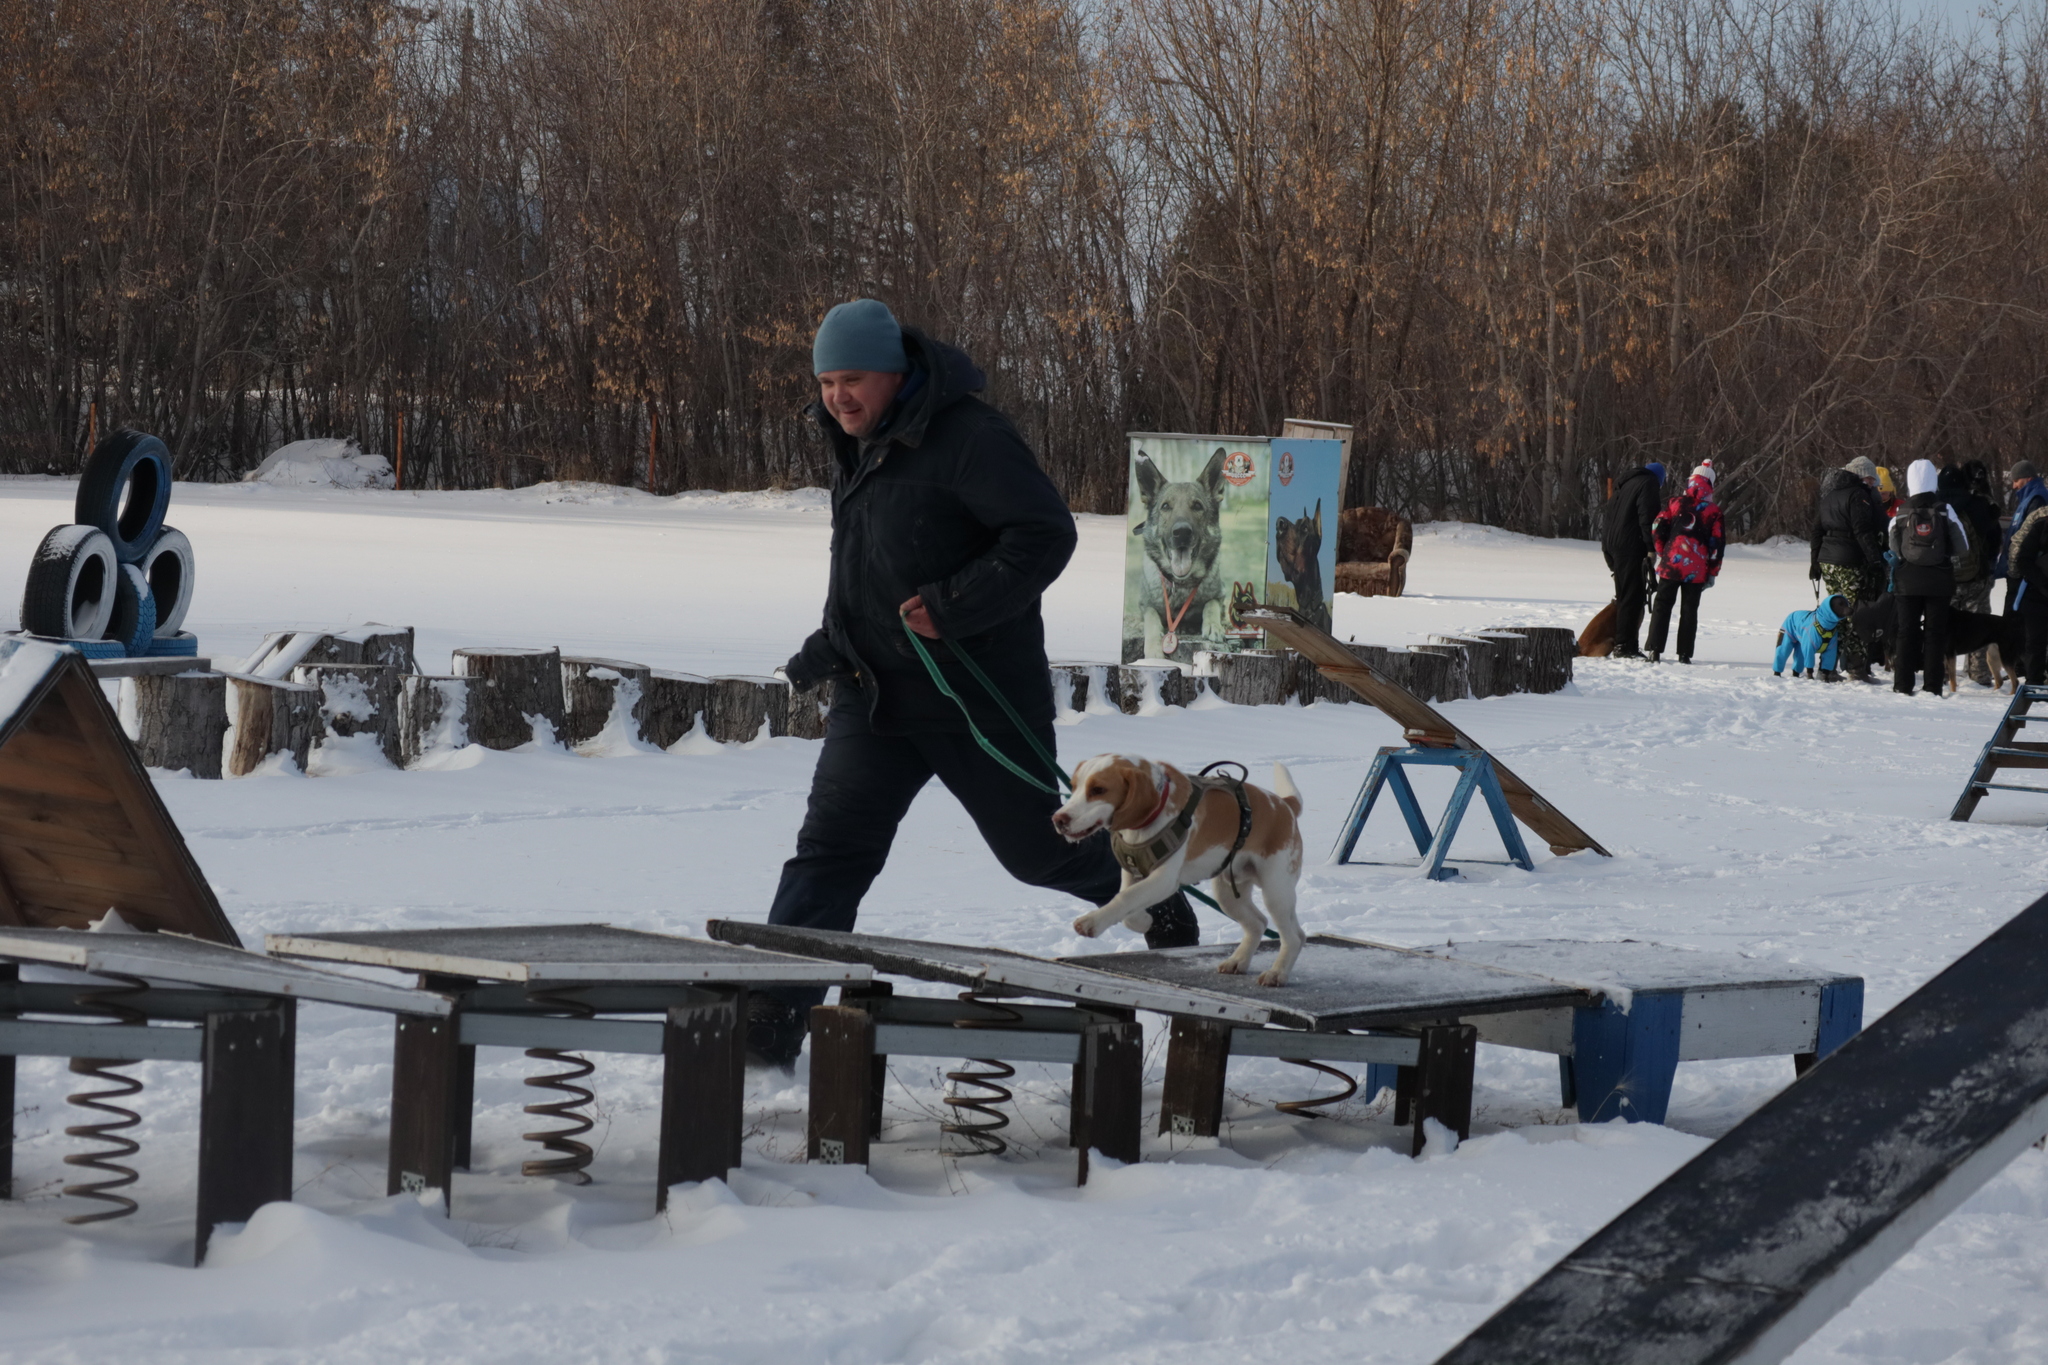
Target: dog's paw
<point>1229,967</point>
<point>1272,977</point>
<point>1085,927</point>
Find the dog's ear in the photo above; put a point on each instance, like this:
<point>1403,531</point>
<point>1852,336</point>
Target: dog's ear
<point>1212,474</point>
<point>1319,518</point>
<point>1150,481</point>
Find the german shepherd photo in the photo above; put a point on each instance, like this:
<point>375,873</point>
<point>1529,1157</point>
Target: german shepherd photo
<point>1183,591</point>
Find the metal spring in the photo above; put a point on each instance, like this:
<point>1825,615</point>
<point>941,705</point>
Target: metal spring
<point>981,1136</point>
<point>108,1000</point>
<point>1307,1108</point>
<point>575,1155</point>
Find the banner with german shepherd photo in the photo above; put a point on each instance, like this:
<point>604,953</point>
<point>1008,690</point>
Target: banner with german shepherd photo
<point>1303,496</point>
<point>1198,518</point>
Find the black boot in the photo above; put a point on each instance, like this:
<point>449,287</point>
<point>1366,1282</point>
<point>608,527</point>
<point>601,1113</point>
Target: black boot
<point>775,1032</point>
<point>1173,924</point>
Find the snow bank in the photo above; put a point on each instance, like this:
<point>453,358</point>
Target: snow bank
<point>323,463</point>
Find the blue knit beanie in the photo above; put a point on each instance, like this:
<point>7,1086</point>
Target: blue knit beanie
<point>1656,469</point>
<point>860,335</point>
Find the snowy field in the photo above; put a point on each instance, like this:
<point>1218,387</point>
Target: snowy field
<point>1746,813</point>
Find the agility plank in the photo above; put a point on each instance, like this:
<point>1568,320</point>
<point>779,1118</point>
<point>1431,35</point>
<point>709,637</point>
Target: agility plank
<point>1421,723</point>
<point>1749,1248</point>
<point>563,952</point>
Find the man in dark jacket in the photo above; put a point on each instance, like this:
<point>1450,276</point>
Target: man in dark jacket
<point>942,518</point>
<point>1847,549</point>
<point>1927,536</point>
<point>1960,485</point>
<point>1625,541</point>
<point>2024,566</point>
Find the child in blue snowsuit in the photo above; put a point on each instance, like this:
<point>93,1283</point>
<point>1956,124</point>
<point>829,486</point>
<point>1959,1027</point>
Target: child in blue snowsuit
<point>1812,639</point>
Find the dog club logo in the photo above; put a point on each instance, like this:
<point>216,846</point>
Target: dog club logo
<point>1285,469</point>
<point>1238,469</point>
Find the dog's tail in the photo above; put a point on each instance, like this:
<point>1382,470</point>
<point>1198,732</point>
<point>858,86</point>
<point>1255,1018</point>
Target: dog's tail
<point>1284,788</point>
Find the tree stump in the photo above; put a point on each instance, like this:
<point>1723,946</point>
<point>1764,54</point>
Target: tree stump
<point>672,706</point>
<point>809,707</point>
<point>1254,677</point>
<point>180,719</point>
<point>1551,651</point>
<point>515,690</point>
<point>1071,685</point>
<point>1140,686</point>
<point>1311,686</point>
<point>590,689</point>
<point>357,699</point>
<point>744,708</point>
<point>269,717</point>
<point>284,650</point>
<point>1450,680</point>
<point>433,715</point>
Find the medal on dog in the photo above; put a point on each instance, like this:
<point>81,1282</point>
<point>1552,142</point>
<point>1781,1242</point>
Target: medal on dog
<point>1169,642</point>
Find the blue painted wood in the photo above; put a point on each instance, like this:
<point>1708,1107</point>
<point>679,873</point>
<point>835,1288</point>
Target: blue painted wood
<point>1841,1014</point>
<point>1379,1076</point>
<point>1623,1063</point>
<point>1475,775</point>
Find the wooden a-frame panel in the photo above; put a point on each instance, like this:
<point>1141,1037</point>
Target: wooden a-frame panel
<point>1420,722</point>
<point>82,829</point>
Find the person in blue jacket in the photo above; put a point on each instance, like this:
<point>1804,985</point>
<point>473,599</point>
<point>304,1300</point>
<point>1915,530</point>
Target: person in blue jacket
<point>1813,639</point>
<point>2029,493</point>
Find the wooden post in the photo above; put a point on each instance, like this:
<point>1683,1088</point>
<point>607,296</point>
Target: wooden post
<point>872,997</point>
<point>704,1060</point>
<point>842,1081</point>
<point>509,686</point>
<point>1442,1080</point>
<point>425,1072</point>
<point>399,480</point>
<point>245,1116</point>
<point>1109,1089</point>
<point>180,720</point>
<point>1197,1060</point>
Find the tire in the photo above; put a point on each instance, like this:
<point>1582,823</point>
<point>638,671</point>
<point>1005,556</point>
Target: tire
<point>125,491</point>
<point>168,566</point>
<point>133,623</point>
<point>70,593</point>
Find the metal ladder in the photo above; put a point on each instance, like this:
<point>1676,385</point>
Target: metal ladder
<point>2006,751</point>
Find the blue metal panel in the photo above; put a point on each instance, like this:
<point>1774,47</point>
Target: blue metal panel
<point>1841,1015</point>
<point>1622,1064</point>
<point>1379,1076</point>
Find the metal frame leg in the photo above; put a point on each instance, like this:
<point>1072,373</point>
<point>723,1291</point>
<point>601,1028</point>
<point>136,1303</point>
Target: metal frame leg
<point>1197,1061</point>
<point>424,1093</point>
<point>842,1085</point>
<point>245,1116</point>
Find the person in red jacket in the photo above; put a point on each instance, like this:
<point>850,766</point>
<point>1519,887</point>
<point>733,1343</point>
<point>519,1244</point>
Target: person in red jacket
<point>1689,540</point>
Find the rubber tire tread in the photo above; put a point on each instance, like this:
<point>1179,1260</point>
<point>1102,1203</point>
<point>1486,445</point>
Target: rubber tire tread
<point>114,462</point>
<point>46,600</point>
<point>133,624</point>
<point>170,607</point>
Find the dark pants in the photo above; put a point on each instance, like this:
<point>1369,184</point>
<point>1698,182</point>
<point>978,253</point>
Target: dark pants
<point>1922,643</point>
<point>1628,604</point>
<point>1670,590</point>
<point>864,785</point>
<point>2032,664</point>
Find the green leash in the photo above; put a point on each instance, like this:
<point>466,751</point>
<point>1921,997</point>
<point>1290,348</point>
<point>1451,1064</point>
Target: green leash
<point>988,747</point>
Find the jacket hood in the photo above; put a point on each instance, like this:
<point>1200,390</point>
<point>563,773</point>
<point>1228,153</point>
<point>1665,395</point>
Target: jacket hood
<point>1922,477</point>
<point>1699,488</point>
<point>1827,613</point>
<point>940,376</point>
<point>1838,480</point>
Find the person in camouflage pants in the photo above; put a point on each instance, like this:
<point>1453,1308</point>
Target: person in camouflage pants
<point>1859,586</point>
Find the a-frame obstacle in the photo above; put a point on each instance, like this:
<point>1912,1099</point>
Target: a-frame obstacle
<point>82,829</point>
<point>1421,725</point>
<point>2006,750</point>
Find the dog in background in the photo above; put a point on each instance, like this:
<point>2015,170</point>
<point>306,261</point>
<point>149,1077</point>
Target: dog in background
<point>1297,545</point>
<point>1139,801</point>
<point>1183,534</point>
<point>1968,631</point>
<point>1812,639</point>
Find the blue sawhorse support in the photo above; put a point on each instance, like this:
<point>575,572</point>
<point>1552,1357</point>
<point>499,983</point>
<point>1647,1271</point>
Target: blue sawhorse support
<point>1475,774</point>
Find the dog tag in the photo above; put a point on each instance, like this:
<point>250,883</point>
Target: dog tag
<point>1169,642</point>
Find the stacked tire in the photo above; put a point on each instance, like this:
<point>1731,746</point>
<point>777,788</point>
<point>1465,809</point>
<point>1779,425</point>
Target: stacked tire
<point>117,574</point>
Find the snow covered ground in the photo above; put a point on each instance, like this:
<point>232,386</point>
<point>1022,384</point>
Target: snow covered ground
<point>1746,814</point>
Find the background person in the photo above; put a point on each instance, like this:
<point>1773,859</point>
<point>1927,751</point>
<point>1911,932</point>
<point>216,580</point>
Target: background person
<point>2025,565</point>
<point>1625,542</point>
<point>1847,551</point>
<point>941,514</point>
<point>1966,488</point>
<point>1927,536</point>
<point>1690,541</point>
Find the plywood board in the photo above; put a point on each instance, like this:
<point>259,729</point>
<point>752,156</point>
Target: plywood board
<point>84,829</point>
<point>564,952</point>
<point>1420,722</point>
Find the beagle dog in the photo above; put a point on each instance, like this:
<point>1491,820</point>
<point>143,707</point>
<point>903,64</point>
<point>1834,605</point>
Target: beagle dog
<point>1169,830</point>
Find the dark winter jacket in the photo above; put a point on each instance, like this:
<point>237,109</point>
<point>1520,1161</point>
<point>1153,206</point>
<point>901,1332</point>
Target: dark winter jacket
<point>2029,558</point>
<point>2032,494</point>
<point>946,502</point>
<point>1848,529</point>
<point>1925,580</point>
<point>1625,539</point>
<point>1689,536</point>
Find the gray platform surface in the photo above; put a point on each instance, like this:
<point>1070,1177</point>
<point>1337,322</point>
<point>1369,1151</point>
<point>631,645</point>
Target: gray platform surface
<point>1628,964</point>
<point>965,965</point>
<point>1347,983</point>
<point>564,952</point>
<point>192,962</point>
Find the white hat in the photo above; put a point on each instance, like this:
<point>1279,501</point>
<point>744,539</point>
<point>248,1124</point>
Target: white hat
<point>1922,477</point>
<point>1705,470</point>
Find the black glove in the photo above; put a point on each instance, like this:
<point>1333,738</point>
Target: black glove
<point>816,662</point>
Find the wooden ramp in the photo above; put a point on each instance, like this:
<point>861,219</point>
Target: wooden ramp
<point>2006,750</point>
<point>1421,723</point>
<point>82,830</point>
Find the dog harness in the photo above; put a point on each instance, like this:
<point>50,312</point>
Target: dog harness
<point>1140,859</point>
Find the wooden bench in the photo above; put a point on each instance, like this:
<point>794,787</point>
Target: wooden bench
<point>562,988</point>
<point>232,1012</point>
